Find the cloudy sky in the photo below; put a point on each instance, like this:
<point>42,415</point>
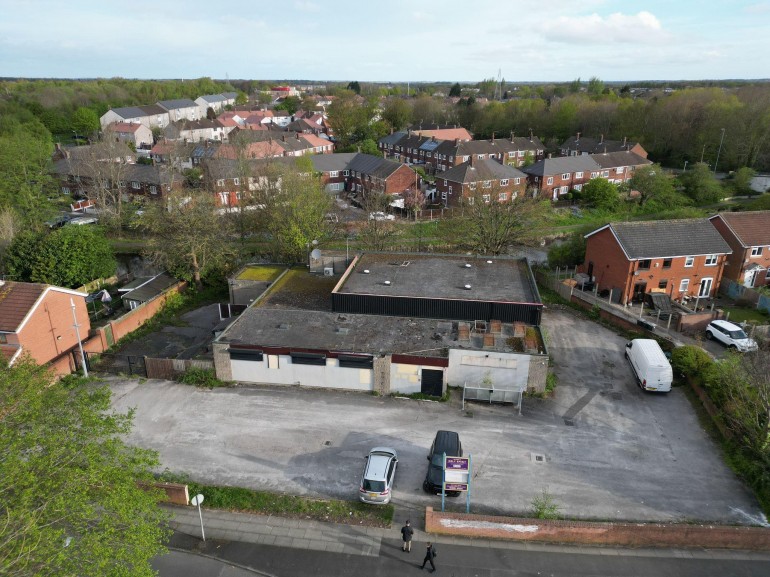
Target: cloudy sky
<point>393,40</point>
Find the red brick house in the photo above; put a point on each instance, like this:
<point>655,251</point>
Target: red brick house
<point>682,258</point>
<point>748,234</point>
<point>577,145</point>
<point>495,181</point>
<point>37,319</point>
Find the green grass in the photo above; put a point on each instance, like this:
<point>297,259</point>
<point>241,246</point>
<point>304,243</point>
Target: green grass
<point>282,505</point>
<point>261,272</point>
<point>741,314</point>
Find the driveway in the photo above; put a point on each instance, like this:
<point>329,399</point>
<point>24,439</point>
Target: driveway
<point>600,446</point>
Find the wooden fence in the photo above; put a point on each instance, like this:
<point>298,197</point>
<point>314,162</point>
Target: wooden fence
<point>171,369</point>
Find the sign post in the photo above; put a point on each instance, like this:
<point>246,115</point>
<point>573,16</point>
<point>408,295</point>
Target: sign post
<point>457,477</point>
<point>197,500</point>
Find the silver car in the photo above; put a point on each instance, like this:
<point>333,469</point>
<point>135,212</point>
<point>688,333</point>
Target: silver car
<point>377,480</point>
<point>81,220</point>
<point>730,335</point>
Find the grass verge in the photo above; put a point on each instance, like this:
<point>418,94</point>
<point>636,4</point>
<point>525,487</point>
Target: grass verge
<point>292,506</point>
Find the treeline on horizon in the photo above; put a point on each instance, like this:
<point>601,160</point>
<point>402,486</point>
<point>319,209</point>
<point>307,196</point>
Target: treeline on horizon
<point>675,122</point>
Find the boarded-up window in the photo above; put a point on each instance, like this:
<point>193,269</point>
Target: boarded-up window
<point>308,359</point>
<point>356,361</point>
<point>245,355</point>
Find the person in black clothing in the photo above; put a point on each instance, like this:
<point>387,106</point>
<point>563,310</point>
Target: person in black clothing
<point>406,533</point>
<point>430,554</point>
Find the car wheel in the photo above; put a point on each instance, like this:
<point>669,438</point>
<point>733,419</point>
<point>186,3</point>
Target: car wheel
<point>732,347</point>
<point>710,335</point>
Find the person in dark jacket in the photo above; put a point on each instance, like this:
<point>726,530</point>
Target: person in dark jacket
<point>406,534</point>
<point>430,554</point>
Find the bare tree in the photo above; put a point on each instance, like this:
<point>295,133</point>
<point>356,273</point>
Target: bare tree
<point>379,229</point>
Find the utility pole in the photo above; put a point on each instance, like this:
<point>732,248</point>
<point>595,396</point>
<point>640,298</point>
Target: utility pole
<point>721,140</point>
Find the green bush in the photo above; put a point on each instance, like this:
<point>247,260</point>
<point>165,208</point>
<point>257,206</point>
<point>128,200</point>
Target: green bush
<point>690,360</point>
<point>201,378</point>
<point>544,506</point>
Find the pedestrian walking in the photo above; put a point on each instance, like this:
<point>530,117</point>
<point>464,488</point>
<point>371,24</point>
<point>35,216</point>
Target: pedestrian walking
<point>406,534</point>
<point>430,555</point>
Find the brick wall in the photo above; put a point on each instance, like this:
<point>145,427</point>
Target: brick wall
<point>132,320</point>
<point>709,536</point>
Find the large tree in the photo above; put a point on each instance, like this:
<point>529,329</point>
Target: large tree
<point>68,257</point>
<point>188,237</point>
<point>701,185</point>
<point>397,113</point>
<point>601,194</point>
<point>70,499</point>
<point>655,187</point>
<point>489,226</point>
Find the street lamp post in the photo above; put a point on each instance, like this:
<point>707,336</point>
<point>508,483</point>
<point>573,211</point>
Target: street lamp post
<point>80,343</point>
<point>721,140</point>
<point>685,166</point>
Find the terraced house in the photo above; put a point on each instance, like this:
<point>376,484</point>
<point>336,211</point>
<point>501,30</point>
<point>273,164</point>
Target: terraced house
<point>486,177</point>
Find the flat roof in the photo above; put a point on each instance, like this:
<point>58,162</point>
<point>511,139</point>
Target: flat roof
<point>441,276</point>
<point>356,333</point>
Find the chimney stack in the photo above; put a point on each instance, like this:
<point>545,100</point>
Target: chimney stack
<point>530,135</point>
<point>513,135</point>
<point>473,160</point>
<point>625,138</point>
<point>493,138</point>
<point>601,140</point>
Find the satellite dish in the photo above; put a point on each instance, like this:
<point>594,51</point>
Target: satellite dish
<point>316,254</point>
<point>197,500</point>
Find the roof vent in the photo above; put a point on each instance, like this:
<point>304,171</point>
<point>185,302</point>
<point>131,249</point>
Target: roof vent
<point>468,287</point>
<point>387,283</point>
<point>366,271</point>
<point>283,327</point>
<point>467,265</point>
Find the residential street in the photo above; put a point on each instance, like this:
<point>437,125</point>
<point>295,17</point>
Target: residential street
<point>609,451</point>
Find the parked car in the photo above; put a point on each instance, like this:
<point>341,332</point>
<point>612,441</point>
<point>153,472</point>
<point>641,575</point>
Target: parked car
<point>376,485</point>
<point>58,221</point>
<point>730,335</point>
<point>81,220</point>
<point>381,216</point>
<point>446,442</point>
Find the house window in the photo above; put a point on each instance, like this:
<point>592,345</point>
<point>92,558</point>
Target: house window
<point>236,181</point>
<point>521,154</point>
<point>662,284</point>
<point>487,184</point>
<point>451,159</point>
<point>122,183</point>
<point>578,175</point>
<point>450,190</point>
<point>645,264</point>
<point>684,284</point>
<point>756,251</point>
<point>767,274</point>
<point>135,185</point>
<point>487,198</point>
<point>606,173</point>
<point>444,182</point>
<point>578,187</point>
<point>153,189</point>
<point>504,182</point>
<point>667,263</point>
<point>689,261</point>
<point>221,182</point>
<point>619,170</point>
<point>502,197</point>
<point>711,260</point>
<point>550,180</point>
<point>481,156</point>
<point>465,158</point>
<point>472,185</point>
<point>3,338</point>
<point>334,174</point>
<point>471,201</point>
<point>516,180</point>
<point>594,174</point>
<point>223,198</point>
<point>429,155</point>
<point>565,176</point>
<point>65,189</point>
<point>345,173</point>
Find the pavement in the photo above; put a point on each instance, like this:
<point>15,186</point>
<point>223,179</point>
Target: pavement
<point>245,544</point>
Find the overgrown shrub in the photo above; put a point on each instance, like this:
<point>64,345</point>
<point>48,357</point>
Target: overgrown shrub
<point>201,378</point>
<point>690,360</point>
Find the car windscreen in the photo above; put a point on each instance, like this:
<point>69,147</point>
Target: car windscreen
<point>437,460</point>
<point>374,486</point>
<point>737,334</point>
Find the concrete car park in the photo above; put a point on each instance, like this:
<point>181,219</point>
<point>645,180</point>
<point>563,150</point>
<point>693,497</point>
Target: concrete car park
<point>601,447</point>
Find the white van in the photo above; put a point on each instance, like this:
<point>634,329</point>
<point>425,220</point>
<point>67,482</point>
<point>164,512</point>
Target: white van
<point>651,367</point>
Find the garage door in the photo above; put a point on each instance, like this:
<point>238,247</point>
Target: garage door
<point>432,382</point>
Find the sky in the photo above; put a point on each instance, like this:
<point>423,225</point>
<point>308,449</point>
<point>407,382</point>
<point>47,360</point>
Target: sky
<point>387,41</point>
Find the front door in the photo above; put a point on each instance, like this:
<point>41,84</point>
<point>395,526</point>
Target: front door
<point>749,278</point>
<point>639,289</point>
<point>432,382</point>
<point>705,287</point>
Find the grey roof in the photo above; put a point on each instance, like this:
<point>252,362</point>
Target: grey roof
<point>622,158</point>
<point>152,110</point>
<point>150,290</point>
<point>668,238</point>
<point>393,138</point>
<point>561,165</point>
<point>177,103</point>
<point>332,162</point>
<point>373,165</point>
<point>213,98</point>
<point>129,112</point>
<point>150,174</point>
<point>480,170</point>
<point>230,95</point>
<point>445,276</point>
<point>585,145</point>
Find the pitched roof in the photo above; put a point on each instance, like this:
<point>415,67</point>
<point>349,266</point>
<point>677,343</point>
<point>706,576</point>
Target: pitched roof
<point>562,165</point>
<point>667,238</point>
<point>446,133</point>
<point>750,228</point>
<point>480,170</point>
<point>177,103</point>
<point>585,145</point>
<point>332,162</point>
<point>622,158</point>
<point>152,110</point>
<point>124,127</point>
<point>374,165</point>
<point>150,290</point>
<point>18,299</point>
<point>213,98</point>
<point>393,138</point>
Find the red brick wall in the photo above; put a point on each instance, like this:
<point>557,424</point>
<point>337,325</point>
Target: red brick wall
<point>741,257</point>
<point>49,332</point>
<point>605,534</point>
<point>132,320</point>
<point>400,180</point>
<point>611,267</point>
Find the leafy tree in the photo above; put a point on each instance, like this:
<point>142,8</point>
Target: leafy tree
<point>188,237</point>
<point>210,113</point>
<point>397,113</point>
<point>700,185</point>
<point>601,194</point>
<point>85,121</point>
<point>241,98</point>
<point>655,187</point>
<point>68,257</point>
<point>71,503</point>
<point>595,86</point>
<point>414,201</point>
<point>762,203</point>
<point>290,104</point>
<point>456,91</point>
<point>347,117</point>
<point>742,180</point>
<point>571,252</point>
<point>369,146</point>
<point>354,86</point>
<point>489,227</point>
<point>574,86</point>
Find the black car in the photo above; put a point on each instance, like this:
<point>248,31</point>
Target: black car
<point>446,442</point>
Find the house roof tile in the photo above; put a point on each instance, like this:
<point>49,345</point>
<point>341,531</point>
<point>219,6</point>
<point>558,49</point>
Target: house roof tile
<point>16,300</point>
<point>480,170</point>
<point>750,228</point>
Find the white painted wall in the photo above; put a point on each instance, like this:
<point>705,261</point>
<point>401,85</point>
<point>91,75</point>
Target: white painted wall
<point>507,370</point>
<point>405,379</point>
<point>332,376</point>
